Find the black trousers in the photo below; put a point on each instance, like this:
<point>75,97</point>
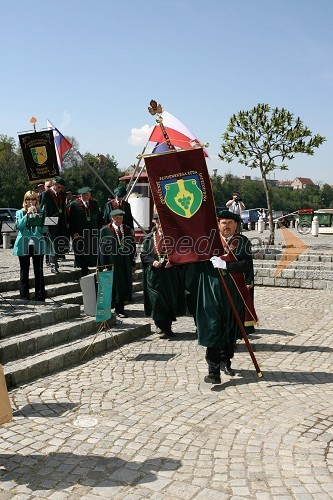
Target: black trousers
<point>216,356</point>
<point>164,325</point>
<point>37,261</point>
<point>120,307</point>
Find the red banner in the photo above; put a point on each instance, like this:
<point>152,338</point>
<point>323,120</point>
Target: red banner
<point>182,193</point>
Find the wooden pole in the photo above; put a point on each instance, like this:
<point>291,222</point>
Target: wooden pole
<point>240,324</point>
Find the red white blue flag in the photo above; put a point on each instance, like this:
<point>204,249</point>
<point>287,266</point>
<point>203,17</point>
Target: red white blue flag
<point>61,143</point>
<point>179,135</point>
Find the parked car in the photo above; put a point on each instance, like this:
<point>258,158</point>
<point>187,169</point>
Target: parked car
<point>282,216</point>
<point>7,222</point>
<point>249,218</point>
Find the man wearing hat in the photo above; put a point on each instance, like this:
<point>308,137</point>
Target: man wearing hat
<point>85,221</point>
<point>53,202</point>
<point>119,203</point>
<point>217,327</point>
<point>117,251</point>
<point>164,297</point>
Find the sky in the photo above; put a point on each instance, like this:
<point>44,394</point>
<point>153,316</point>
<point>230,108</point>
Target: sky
<point>92,67</point>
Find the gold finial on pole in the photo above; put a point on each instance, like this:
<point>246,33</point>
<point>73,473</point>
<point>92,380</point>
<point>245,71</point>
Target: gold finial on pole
<point>156,109</point>
<point>33,120</point>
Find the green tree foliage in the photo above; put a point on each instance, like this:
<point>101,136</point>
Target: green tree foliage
<point>13,178</point>
<point>78,174</point>
<point>267,139</point>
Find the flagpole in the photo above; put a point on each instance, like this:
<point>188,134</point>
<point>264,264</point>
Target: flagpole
<point>134,173</point>
<point>104,184</point>
<point>156,109</point>
<point>240,324</point>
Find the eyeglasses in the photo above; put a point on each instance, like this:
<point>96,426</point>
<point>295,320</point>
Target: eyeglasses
<point>31,199</point>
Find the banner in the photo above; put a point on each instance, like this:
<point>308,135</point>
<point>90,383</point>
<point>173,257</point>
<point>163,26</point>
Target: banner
<point>104,295</point>
<point>39,155</point>
<point>182,193</point>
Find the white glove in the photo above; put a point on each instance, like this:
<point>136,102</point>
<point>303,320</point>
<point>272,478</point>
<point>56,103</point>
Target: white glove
<point>218,262</point>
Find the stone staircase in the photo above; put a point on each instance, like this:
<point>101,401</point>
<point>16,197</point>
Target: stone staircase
<point>39,338</point>
<point>311,270</point>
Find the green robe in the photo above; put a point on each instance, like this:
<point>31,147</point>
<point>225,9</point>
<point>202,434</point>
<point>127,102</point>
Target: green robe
<point>122,260</point>
<point>87,223</point>
<point>216,322</point>
<point>163,293</point>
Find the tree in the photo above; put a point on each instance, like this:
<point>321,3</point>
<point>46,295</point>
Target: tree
<point>13,178</point>
<point>78,174</point>
<point>267,138</point>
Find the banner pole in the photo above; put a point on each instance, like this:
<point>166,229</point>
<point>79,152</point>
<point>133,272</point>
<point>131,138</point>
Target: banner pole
<point>104,184</point>
<point>240,324</point>
<point>154,109</point>
<point>130,187</point>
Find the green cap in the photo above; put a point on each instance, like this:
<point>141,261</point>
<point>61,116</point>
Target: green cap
<point>117,212</point>
<point>84,190</point>
<point>120,191</point>
<point>59,180</point>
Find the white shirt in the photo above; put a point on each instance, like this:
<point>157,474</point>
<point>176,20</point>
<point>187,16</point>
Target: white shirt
<point>235,208</point>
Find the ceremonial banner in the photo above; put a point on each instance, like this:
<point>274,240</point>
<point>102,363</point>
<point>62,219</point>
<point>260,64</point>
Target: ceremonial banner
<point>39,155</point>
<point>104,295</point>
<point>182,193</point>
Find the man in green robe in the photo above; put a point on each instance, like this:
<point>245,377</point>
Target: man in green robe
<point>85,221</point>
<point>117,251</point>
<point>217,327</point>
<point>118,203</point>
<point>164,297</point>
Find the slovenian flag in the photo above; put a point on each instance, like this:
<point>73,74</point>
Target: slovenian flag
<point>180,136</point>
<point>61,143</point>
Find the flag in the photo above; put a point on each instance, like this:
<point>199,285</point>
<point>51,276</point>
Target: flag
<point>61,143</point>
<point>183,197</point>
<point>178,134</point>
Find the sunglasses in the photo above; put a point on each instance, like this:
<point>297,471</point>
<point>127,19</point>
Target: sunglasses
<point>31,199</point>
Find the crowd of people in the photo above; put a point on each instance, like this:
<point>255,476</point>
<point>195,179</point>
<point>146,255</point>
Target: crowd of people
<point>218,293</point>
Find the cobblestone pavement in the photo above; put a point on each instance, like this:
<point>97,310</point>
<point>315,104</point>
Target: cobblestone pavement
<point>141,423</point>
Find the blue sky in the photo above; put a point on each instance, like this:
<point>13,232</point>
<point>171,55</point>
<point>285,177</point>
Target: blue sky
<point>93,67</point>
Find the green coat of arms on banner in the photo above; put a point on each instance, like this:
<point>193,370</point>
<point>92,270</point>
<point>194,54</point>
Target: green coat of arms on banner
<point>39,155</point>
<point>183,195</point>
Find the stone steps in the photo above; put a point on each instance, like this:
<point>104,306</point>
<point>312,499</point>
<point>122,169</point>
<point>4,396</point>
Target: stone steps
<point>20,318</point>
<point>67,355</point>
<point>38,338</point>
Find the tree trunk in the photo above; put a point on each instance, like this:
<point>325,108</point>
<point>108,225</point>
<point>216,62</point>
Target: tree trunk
<point>269,206</point>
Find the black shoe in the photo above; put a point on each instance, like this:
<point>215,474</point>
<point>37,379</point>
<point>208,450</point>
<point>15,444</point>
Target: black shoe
<point>169,333</point>
<point>55,270</point>
<point>40,298</point>
<point>212,378</point>
<point>121,315</point>
<point>229,371</point>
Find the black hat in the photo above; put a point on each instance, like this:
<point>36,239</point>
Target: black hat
<point>226,214</point>
<point>85,190</point>
<point>117,212</point>
<point>59,180</point>
<point>120,191</point>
